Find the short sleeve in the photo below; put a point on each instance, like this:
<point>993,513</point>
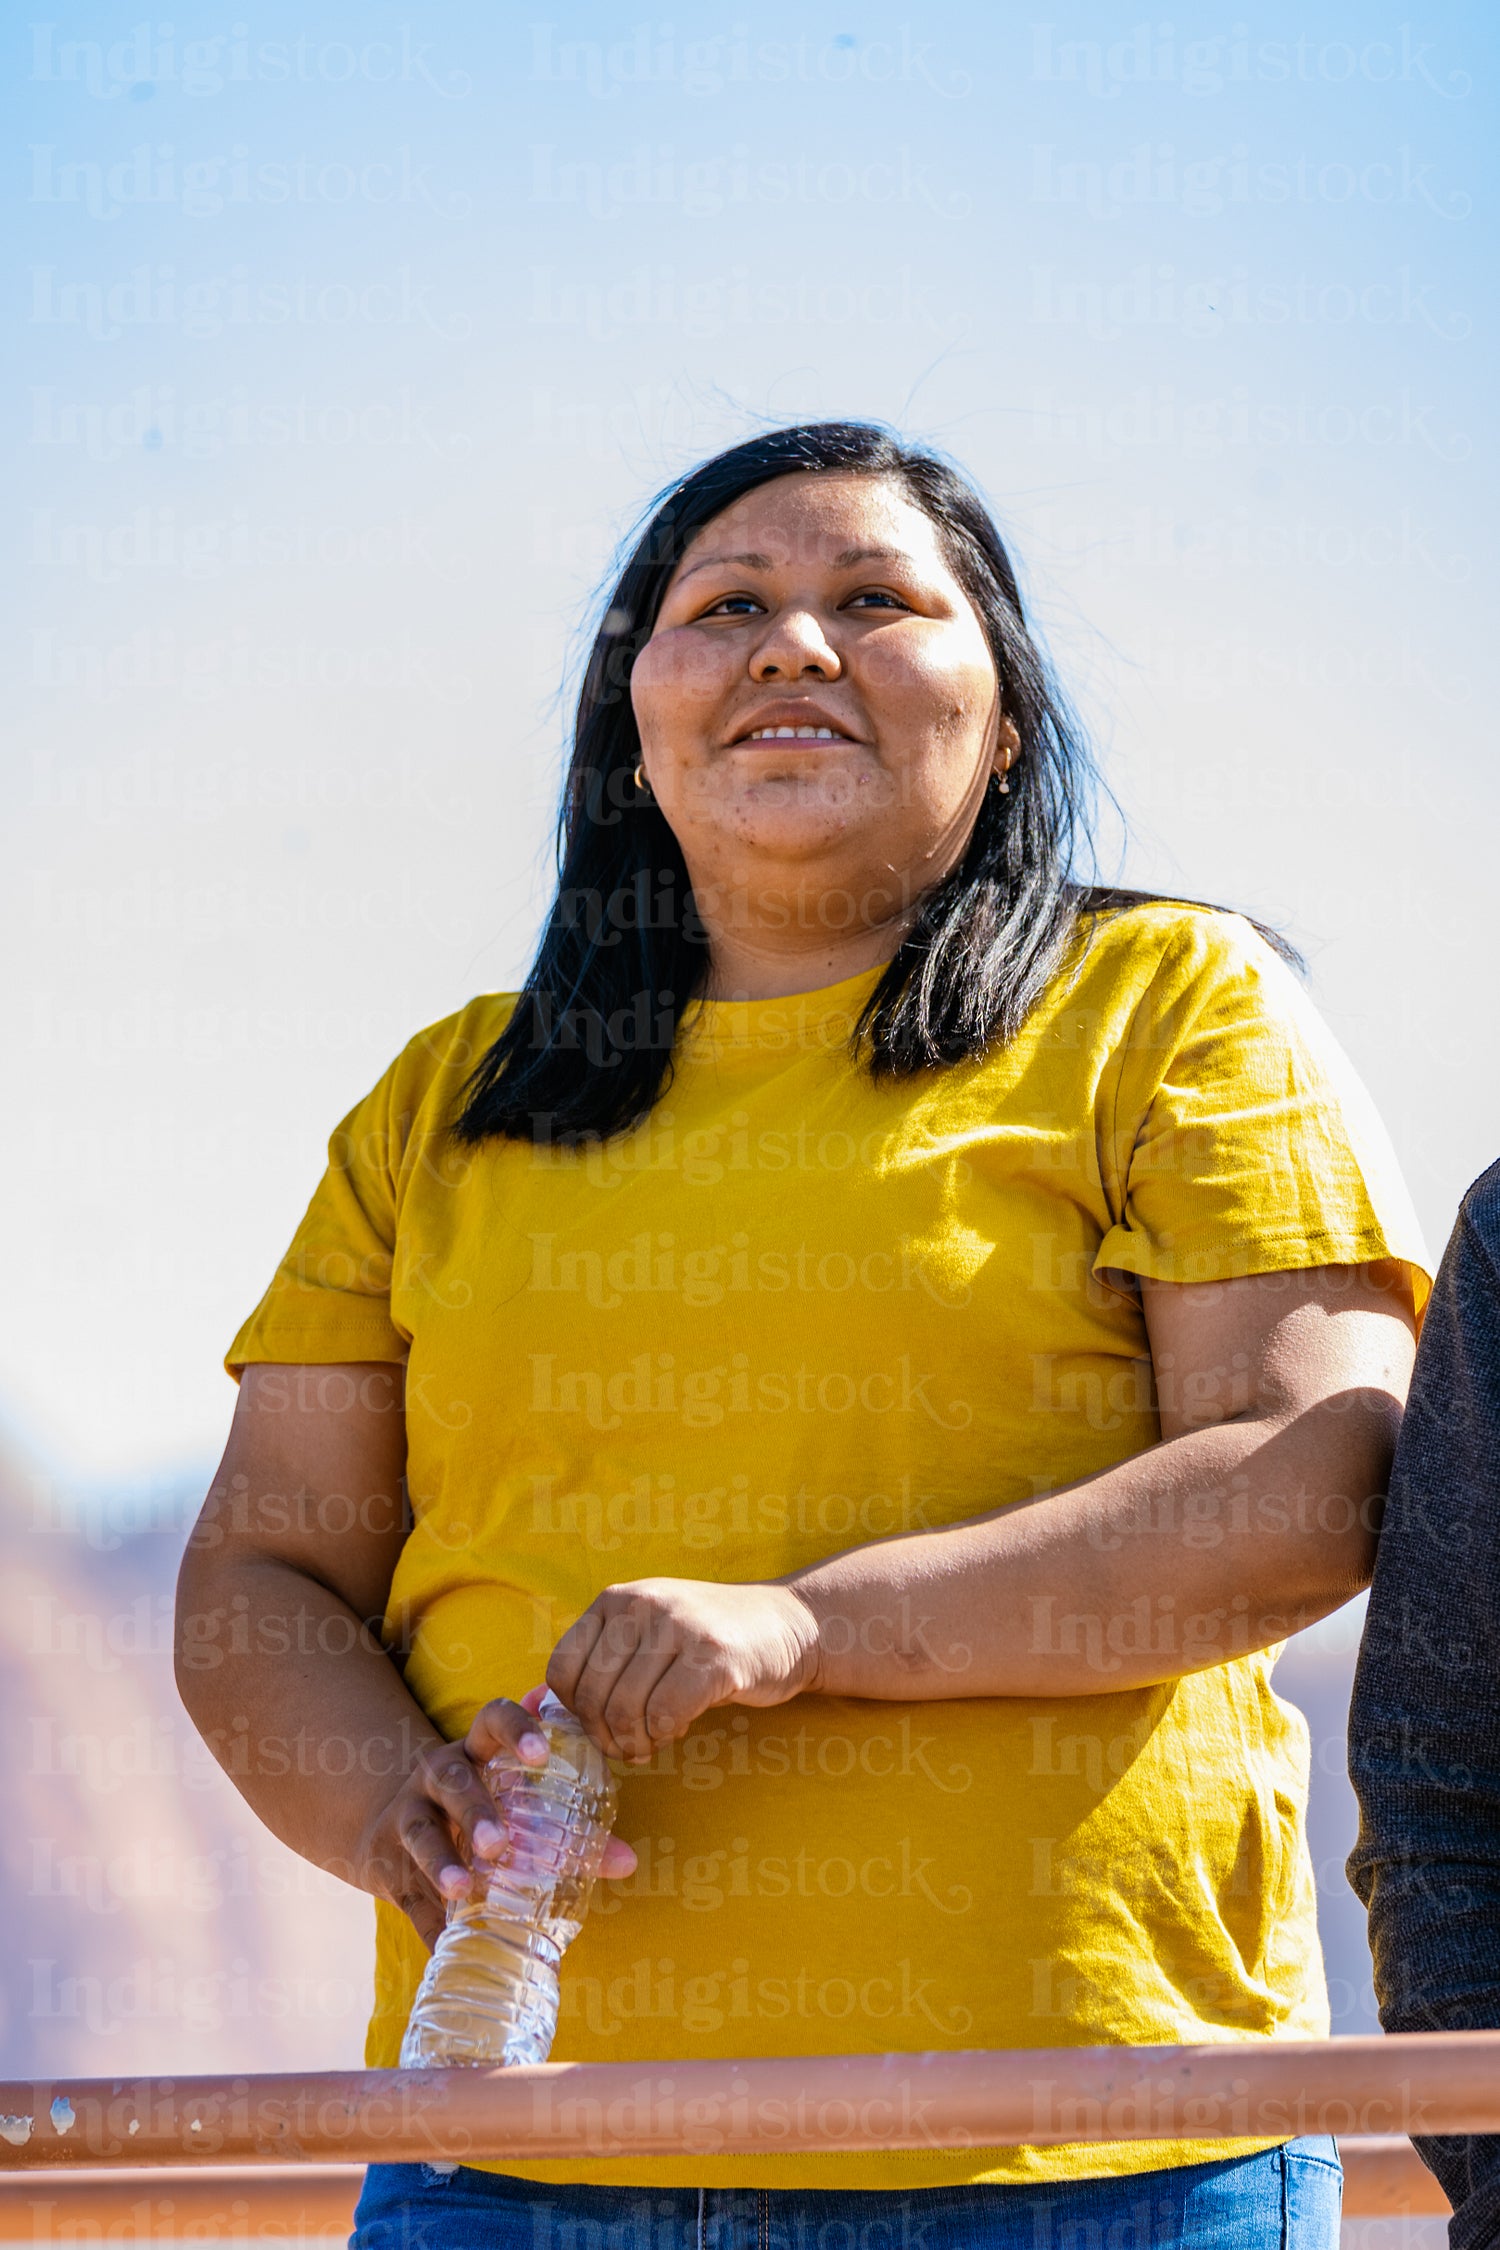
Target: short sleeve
<point>1247,1143</point>
<point>330,1298</point>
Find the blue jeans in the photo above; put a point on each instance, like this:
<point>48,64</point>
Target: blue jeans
<point>1286,2199</point>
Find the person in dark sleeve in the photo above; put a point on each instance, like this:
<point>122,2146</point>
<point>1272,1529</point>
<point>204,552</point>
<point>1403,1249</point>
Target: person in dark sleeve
<point>1424,1723</point>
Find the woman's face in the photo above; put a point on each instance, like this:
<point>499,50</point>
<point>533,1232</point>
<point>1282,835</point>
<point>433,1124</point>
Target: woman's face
<point>818,708</point>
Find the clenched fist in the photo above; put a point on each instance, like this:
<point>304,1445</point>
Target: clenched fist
<point>646,1658</point>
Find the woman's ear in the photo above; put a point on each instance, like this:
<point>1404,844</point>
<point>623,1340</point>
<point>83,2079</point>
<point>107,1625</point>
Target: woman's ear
<point>1007,746</point>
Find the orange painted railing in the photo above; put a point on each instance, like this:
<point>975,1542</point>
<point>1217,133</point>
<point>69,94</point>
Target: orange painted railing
<point>315,2202</point>
<point>303,2203</point>
<point>56,2137</point>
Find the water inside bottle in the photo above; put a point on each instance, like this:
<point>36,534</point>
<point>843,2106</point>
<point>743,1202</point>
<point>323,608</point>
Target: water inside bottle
<point>490,1992</point>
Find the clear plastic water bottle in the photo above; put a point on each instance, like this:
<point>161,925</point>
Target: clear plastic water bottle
<point>490,1991</point>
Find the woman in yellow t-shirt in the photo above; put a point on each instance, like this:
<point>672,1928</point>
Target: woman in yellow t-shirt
<point>895,1338</point>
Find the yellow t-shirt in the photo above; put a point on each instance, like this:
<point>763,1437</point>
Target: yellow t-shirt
<point>792,1312</point>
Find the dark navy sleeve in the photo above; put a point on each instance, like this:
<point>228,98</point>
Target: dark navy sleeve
<point>1424,1723</point>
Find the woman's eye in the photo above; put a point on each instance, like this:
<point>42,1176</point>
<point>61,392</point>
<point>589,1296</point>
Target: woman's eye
<point>746,605</point>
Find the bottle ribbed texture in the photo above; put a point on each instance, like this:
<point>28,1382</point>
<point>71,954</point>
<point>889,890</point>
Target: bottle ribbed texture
<point>490,1991</point>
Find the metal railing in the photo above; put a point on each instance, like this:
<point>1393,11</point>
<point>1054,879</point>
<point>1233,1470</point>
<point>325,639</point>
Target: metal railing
<point>72,2150</point>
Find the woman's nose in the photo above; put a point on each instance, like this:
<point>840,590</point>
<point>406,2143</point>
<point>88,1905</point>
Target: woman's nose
<point>795,645</point>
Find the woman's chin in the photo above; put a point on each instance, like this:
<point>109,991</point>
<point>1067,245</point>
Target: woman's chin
<point>817,800</point>
<point>796,833</point>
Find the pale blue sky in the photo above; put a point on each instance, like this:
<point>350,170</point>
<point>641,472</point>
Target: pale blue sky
<point>354,340</point>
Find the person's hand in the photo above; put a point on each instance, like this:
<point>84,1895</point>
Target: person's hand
<point>437,1837</point>
<point>646,1658</point>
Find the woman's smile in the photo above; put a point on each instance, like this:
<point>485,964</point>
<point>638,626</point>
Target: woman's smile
<point>791,720</point>
<point>791,734</point>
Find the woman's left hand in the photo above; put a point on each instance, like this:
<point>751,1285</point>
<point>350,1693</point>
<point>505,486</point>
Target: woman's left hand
<point>646,1658</point>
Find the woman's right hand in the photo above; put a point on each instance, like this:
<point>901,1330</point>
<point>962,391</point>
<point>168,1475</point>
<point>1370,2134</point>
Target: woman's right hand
<point>430,1843</point>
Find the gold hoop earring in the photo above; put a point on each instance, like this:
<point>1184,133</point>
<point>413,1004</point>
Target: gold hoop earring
<point>640,777</point>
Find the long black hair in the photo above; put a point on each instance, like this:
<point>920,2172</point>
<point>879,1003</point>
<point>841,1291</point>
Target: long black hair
<point>588,1049</point>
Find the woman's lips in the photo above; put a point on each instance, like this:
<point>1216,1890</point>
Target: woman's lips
<point>792,734</point>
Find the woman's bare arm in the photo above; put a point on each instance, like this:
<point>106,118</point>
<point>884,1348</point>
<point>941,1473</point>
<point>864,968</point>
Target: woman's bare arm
<point>280,1660</point>
<point>1280,1396</point>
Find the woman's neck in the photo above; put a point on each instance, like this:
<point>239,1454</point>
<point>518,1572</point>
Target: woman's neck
<point>751,968</point>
